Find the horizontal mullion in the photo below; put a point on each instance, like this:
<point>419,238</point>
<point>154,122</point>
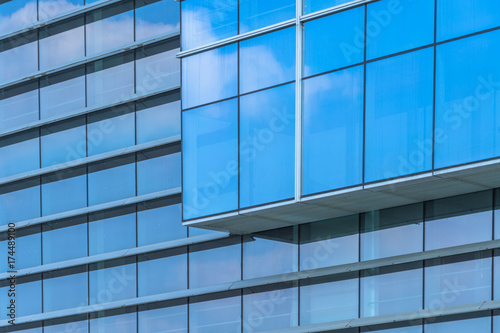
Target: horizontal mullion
<point>335,9</point>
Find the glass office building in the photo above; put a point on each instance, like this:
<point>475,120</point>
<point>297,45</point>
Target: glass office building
<point>339,168</point>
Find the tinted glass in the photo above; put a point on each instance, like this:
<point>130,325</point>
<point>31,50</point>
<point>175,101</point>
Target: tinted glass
<point>257,14</point>
<point>155,17</point>
<point>63,142</point>
<point>77,325</point>
<point>215,316</point>
<point>158,121</point>
<point>156,173</point>
<point>16,14</point>
<point>126,323</point>
<point>108,232</point>
<point>49,8</point>
<point>18,106</point>
<point>64,190</point>
<point>18,58</point>
<point>27,250</point>
<point>19,153</point>
<point>65,289</point>
<point>162,272</point>
<point>112,283</point>
<point>64,240</point>
<point>481,324</point>
<point>19,201</point>
<point>160,225</point>
<point>315,5</point>
<point>164,320</point>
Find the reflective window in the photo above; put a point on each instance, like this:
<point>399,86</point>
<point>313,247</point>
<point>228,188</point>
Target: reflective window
<point>315,5</point>
<point>267,60</point>
<point>28,293</point>
<point>470,16</point>
<point>168,319</point>
<point>458,220</point>
<point>61,43</point>
<point>109,27</point>
<point>215,316</point>
<point>270,253</point>
<point>110,80</point>
<point>399,98</point>
<point>391,290</point>
<point>74,324</point>
<point>395,328</point>
<point>206,21</point>
<point>26,251</point>
<point>19,153</point>
<point>19,201</point>
<point>64,240</point>
<point>333,130</point>
<point>458,280</point>
<point>110,130</point>
<point>392,232</point>
<point>18,106</point>
<point>210,159</point>
<point>209,76</point>
<point>153,17</point>
<point>329,299</point>
<point>209,265</point>
<point>460,324</point>
<point>65,289</point>
<point>334,41</point>
<point>124,321</point>
<point>112,180</point>
<point>49,8</point>
<point>158,170</point>
<point>162,272</point>
<point>64,190</point>
<point>15,14</point>
<point>112,281</point>
<point>258,14</point>
<point>467,96</point>
<point>112,231</point>
<point>329,242</point>
<point>284,303</point>
<point>63,142</point>
<point>157,224</point>
<point>158,118</point>
<point>18,57</point>
<point>267,146</point>
<point>395,26</point>
<point>62,93</point>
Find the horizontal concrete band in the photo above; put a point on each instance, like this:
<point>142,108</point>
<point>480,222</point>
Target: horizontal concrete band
<point>295,276</point>
<point>90,159</point>
<point>99,56</point>
<point>95,208</point>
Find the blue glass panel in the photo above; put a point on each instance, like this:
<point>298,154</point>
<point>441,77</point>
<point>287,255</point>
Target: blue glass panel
<point>160,225</point>
<point>63,142</point>
<point>399,98</point>
<point>64,240</point>
<point>284,313</point>
<point>28,249</point>
<point>315,5</point>
<point>158,172</point>
<point>19,153</point>
<point>389,290</point>
<point>402,329</point>
<point>267,60</point>
<point>18,58</point>
<point>124,323</point>
<point>110,130</point>
<point>50,8</point>
<point>62,93</point>
<point>64,190</point>
<point>159,121</point>
<point>15,14</point>
<point>210,76</point>
<point>210,159</point>
<point>267,146</point>
<point>255,14</point>
<point>481,324</point>
<point>112,233</point>
<point>108,282</point>
<point>156,17</point>
<point>467,100</point>
<point>28,297</point>
<point>19,201</point>
<point>18,106</point>
<point>162,272</point>
<point>333,131</point>
<point>216,316</point>
<point>395,26</point>
<point>457,19</point>
<point>334,41</point>
<point>65,289</point>
<point>78,324</point>
<point>157,68</point>
<point>171,319</point>
<point>112,180</point>
<point>206,21</point>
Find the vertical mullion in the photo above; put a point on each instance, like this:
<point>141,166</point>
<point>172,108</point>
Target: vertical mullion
<point>298,99</point>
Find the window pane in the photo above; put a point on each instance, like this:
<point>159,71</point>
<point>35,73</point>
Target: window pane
<point>76,324</point>
<point>267,146</point>
<point>18,106</point>
<point>27,249</point>
<point>160,224</point>
<point>457,19</point>
<point>206,21</point>
<point>18,57</point>
<point>210,159</point>
<point>342,44</point>
<point>19,201</point>
<point>28,296</point>
<point>399,98</point>
<point>324,300</point>
<point>158,118</point>
<point>395,26</point>
<point>124,322</point>
<point>158,172</point>
<point>480,324</point>
<point>215,316</point>
<point>19,153</point>
<point>257,14</point>
<point>267,60</point>
<point>315,5</point>
<point>458,220</point>
<point>61,43</point>
<point>155,17</point>
<point>112,231</point>
<point>467,100</point>
<point>333,130</point>
<point>171,319</point>
<point>112,281</point>
<point>392,232</point>
<point>65,289</point>
<point>391,290</point>
<point>64,240</point>
<point>49,8</point>
<point>329,242</point>
<point>110,27</point>
<point>112,180</point>
<point>63,142</point>
<point>62,93</point>
<point>64,190</point>
<point>15,14</point>
<point>209,76</point>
